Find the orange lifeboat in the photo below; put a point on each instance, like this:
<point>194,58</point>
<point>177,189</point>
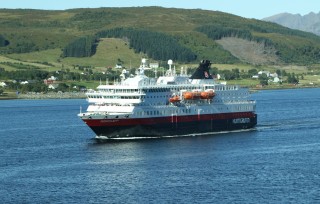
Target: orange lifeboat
<point>207,94</point>
<point>174,99</point>
<point>191,95</point>
<point>187,95</point>
<point>196,95</point>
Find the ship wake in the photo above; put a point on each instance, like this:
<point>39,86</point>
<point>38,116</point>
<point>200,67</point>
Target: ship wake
<point>106,138</point>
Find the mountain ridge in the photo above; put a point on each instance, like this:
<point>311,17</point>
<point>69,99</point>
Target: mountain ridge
<point>309,22</point>
<point>38,30</point>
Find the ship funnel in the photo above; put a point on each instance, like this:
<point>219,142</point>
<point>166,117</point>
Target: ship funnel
<point>202,72</point>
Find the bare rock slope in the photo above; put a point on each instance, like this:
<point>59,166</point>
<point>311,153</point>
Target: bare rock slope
<point>249,51</point>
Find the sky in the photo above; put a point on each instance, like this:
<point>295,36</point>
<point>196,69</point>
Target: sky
<point>257,9</point>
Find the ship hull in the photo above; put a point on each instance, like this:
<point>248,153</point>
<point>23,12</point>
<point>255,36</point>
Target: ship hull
<point>171,126</point>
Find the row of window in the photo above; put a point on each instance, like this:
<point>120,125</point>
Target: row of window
<point>135,90</point>
<point>163,112</point>
<point>187,111</point>
<point>225,88</point>
<point>127,97</point>
<point>120,90</point>
<point>172,88</point>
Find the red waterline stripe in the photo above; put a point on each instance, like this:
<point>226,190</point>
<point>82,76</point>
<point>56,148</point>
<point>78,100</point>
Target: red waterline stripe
<point>167,119</point>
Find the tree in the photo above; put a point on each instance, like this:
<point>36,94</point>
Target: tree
<point>252,72</point>
<point>236,73</point>
<point>81,47</point>
<point>292,79</point>
<point>63,87</point>
<point>263,79</point>
<point>227,74</point>
<point>3,41</point>
<point>214,71</point>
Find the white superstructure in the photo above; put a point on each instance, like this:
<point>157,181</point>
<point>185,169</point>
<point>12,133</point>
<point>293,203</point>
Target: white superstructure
<point>141,96</point>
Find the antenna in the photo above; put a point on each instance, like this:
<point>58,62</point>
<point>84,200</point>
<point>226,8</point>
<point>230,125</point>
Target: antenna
<point>170,62</point>
<point>143,62</point>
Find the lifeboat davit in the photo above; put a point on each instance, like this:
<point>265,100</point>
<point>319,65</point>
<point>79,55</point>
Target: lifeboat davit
<point>174,99</point>
<point>207,94</point>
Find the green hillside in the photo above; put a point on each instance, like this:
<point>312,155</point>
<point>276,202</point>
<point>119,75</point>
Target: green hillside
<point>42,37</point>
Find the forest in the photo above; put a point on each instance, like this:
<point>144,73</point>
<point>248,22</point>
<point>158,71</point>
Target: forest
<point>81,47</point>
<point>158,46</point>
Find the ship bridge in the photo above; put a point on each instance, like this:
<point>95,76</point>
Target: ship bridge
<point>138,81</point>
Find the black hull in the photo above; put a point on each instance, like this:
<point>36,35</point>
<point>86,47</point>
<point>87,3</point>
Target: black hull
<point>173,128</point>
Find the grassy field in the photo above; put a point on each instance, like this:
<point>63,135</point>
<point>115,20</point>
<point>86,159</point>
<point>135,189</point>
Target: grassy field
<point>8,95</point>
<point>7,61</point>
<point>108,52</point>
<point>310,80</point>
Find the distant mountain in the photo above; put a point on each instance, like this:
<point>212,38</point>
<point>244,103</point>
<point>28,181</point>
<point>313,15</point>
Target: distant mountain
<point>308,23</point>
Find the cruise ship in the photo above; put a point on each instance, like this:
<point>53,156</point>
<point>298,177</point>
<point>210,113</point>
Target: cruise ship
<point>170,105</point>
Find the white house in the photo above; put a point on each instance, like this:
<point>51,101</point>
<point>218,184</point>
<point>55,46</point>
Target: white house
<point>53,86</point>
<point>264,72</point>
<point>53,78</point>
<point>2,84</point>
<point>276,80</point>
<point>24,82</point>
<point>118,66</point>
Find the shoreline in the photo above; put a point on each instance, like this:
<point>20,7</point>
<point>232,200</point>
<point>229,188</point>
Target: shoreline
<point>50,95</point>
<point>282,88</point>
<point>81,95</point>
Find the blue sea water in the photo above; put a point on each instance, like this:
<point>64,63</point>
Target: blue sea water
<point>47,155</point>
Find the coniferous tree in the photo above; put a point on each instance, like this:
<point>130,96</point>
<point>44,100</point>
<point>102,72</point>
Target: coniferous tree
<point>81,47</point>
<point>3,41</point>
<point>158,46</point>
